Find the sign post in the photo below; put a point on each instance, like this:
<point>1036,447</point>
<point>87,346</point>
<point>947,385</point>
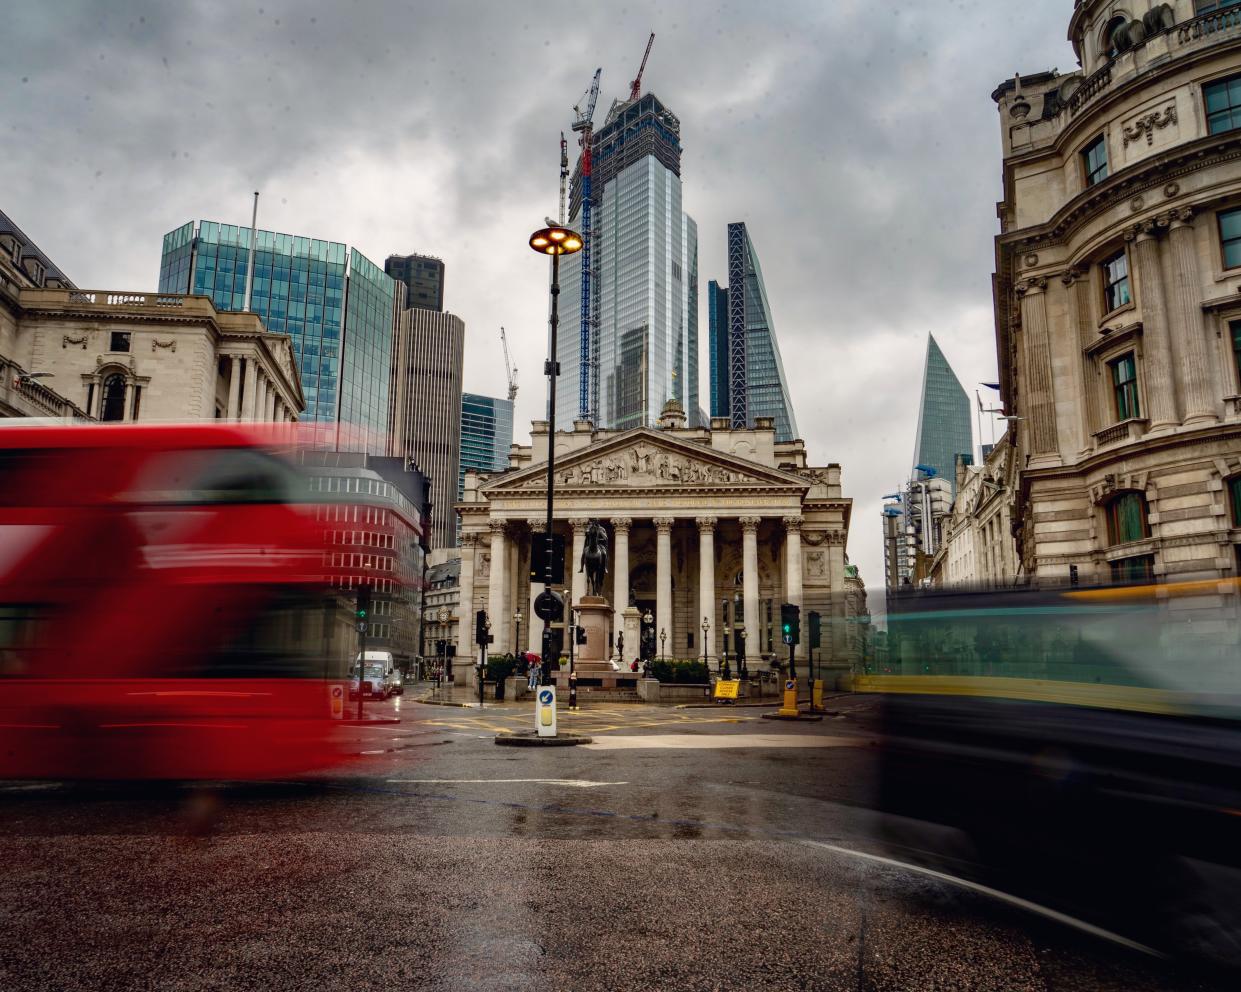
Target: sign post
<point>545,711</point>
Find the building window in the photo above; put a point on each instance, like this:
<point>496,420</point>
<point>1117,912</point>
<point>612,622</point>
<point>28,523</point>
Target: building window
<point>1230,238</point>
<point>1113,37</point>
<point>1140,568</point>
<point>1126,519</point>
<point>1125,387</point>
<point>1095,159</point>
<point>1235,327</point>
<point>1115,282</point>
<point>113,398</point>
<point>1234,493</point>
<point>1209,6</point>
<point>1223,100</point>
<point>120,341</point>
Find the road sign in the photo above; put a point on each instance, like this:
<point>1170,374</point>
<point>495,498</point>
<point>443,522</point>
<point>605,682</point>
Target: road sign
<point>361,626</point>
<point>336,695</point>
<point>545,712</point>
<point>548,606</point>
<point>789,707</point>
<point>727,688</point>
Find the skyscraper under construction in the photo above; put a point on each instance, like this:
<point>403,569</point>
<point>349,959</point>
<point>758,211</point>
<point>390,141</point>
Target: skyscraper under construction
<point>643,337</point>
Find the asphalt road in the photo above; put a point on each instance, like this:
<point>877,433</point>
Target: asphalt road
<point>685,849</point>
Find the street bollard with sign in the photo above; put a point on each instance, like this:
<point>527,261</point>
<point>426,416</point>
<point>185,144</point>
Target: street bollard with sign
<point>816,697</point>
<point>789,708</point>
<point>336,696</point>
<point>545,711</point>
<point>573,691</point>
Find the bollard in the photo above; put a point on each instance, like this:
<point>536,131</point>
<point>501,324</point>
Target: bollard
<point>789,707</point>
<point>573,690</point>
<point>816,696</point>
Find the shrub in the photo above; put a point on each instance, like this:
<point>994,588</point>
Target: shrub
<point>689,672</point>
<point>500,667</point>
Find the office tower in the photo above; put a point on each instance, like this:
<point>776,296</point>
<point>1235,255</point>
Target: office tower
<point>426,408</point>
<point>486,435</point>
<point>338,307</point>
<point>717,317</point>
<point>644,278</point>
<point>747,376</point>
<point>943,417</point>
<point>423,279</point>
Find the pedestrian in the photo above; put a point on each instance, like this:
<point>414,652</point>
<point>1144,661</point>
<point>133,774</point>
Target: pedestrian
<point>532,674</point>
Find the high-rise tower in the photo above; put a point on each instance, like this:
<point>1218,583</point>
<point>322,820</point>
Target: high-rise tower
<point>423,278</point>
<point>944,429</point>
<point>747,376</point>
<point>644,273</point>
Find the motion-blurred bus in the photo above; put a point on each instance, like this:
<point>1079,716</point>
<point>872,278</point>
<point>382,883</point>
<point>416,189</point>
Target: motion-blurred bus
<point>159,587</point>
<point>1081,747</point>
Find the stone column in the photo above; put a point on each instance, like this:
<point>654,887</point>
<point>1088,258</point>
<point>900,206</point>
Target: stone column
<point>272,400</point>
<point>465,604</point>
<point>1195,372</point>
<point>706,580</point>
<point>248,408</point>
<point>663,582</point>
<point>1078,284</point>
<point>260,395</point>
<point>792,564</point>
<point>234,387</point>
<point>495,587</point>
<point>578,584</point>
<point>1041,401</point>
<point>620,574</point>
<point>128,409</point>
<point>1159,375</point>
<point>749,584</point>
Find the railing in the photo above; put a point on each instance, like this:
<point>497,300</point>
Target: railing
<point>1091,87</point>
<point>96,298</point>
<point>1124,431</point>
<point>1207,24</point>
<point>30,398</point>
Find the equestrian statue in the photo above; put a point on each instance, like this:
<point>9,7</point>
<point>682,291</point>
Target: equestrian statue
<point>595,557</point>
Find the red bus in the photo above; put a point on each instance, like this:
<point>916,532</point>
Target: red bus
<point>158,592</point>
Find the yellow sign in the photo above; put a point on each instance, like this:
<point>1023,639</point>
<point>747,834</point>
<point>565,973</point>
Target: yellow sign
<point>727,688</point>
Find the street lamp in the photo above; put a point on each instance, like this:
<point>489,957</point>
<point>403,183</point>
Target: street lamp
<point>663,639</point>
<point>741,665</point>
<point>726,630</point>
<point>553,241</point>
<point>706,625</point>
<point>442,617</point>
<point>517,639</point>
<point>647,619</point>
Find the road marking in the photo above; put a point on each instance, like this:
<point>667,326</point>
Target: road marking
<point>715,741</point>
<point>1017,901</point>
<point>574,783</point>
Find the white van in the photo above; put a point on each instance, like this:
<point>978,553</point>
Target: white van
<point>380,678</point>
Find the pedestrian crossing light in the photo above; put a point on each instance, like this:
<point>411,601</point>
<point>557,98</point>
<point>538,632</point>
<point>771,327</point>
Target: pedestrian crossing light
<point>363,607</point>
<point>815,629</point>
<point>790,623</point>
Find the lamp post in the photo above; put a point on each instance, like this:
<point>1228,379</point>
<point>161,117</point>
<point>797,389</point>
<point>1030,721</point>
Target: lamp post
<point>442,617</point>
<point>663,643</point>
<point>706,625</point>
<point>553,241</point>
<point>726,630</point>
<point>741,665</point>
<point>647,620</point>
<point>517,639</point>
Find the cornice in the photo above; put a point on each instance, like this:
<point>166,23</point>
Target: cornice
<point>1127,452</point>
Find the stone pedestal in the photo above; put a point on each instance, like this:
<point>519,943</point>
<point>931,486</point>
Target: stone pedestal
<point>632,620</point>
<point>595,617</point>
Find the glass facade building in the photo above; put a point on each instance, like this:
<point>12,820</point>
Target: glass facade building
<point>486,435</point>
<point>943,417</point>
<point>644,281</point>
<point>337,306</point>
<point>747,374</point>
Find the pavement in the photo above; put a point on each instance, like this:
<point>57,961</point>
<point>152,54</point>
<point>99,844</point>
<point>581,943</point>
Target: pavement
<point>683,849</point>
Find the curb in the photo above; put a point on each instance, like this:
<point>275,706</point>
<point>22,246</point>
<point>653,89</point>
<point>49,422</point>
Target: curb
<point>375,722</point>
<point>530,739</point>
<point>803,717</point>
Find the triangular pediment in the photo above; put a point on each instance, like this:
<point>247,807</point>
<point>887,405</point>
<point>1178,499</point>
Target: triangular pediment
<point>646,459</point>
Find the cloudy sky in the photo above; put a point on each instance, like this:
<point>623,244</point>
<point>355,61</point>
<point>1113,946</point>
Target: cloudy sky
<point>857,140</point>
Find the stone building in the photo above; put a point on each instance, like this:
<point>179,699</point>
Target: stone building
<point>976,540</point>
<point>151,357</point>
<point>704,525</point>
<point>1118,295</point>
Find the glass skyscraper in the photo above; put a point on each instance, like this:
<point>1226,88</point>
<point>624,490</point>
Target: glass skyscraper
<point>337,306</point>
<point>644,280</point>
<point>943,417</point>
<point>486,435</point>
<point>747,375</point>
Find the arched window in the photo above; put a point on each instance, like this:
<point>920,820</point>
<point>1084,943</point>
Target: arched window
<point>113,397</point>
<point>1126,518</point>
<point>1234,493</point>
<point>1111,40</point>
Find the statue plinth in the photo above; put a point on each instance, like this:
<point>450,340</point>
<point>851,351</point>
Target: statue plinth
<point>594,617</point>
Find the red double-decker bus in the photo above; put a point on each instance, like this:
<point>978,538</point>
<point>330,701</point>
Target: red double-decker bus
<point>161,605</point>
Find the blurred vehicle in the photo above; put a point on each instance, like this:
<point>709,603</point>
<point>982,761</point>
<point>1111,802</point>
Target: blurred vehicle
<point>1078,747</point>
<point>380,678</point>
<point>157,587</point>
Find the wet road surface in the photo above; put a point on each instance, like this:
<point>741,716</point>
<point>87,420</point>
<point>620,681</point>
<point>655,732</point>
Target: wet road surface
<point>698,854</point>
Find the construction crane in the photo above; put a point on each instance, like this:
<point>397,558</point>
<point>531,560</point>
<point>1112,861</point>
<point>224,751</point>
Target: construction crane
<point>635,88</point>
<point>564,173</point>
<point>583,124</point>
<point>509,368</point>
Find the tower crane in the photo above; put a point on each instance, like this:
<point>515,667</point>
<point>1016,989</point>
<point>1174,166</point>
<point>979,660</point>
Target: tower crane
<point>509,368</point>
<point>564,173</point>
<point>635,88</point>
<point>583,124</point>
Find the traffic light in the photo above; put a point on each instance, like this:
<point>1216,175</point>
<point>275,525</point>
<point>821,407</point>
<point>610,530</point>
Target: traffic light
<point>363,609</point>
<point>538,559</point>
<point>790,623</point>
<point>580,636</point>
<point>815,632</point>
<point>480,627</point>
<point>1072,575</point>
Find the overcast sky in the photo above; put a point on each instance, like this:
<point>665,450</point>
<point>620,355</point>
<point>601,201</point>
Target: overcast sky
<point>857,140</point>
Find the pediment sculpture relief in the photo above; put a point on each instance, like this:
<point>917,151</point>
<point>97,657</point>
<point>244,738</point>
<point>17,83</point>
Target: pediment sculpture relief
<point>643,465</point>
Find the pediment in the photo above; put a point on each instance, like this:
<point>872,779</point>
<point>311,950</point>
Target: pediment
<point>647,459</point>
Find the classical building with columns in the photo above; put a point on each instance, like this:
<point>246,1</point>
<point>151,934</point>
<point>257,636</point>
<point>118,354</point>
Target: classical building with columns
<point>1118,296</point>
<point>149,357</point>
<point>710,526</point>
